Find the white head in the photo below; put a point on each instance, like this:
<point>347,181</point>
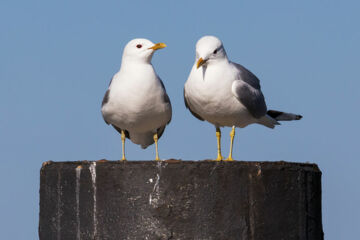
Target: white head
<point>141,49</point>
<point>209,49</point>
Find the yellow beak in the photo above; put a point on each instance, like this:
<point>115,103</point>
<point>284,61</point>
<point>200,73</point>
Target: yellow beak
<point>200,62</point>
<point>158,46</point>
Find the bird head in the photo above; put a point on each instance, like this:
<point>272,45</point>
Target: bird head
<point>209,49</point>
<point>141,49</point>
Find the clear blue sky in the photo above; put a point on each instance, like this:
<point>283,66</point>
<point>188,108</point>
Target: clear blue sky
<point>56,60</point>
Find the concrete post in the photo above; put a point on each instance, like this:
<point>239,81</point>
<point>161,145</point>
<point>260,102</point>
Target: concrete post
<point>180,200</point>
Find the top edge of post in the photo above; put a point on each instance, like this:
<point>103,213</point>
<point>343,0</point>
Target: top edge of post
<point>263,164</point>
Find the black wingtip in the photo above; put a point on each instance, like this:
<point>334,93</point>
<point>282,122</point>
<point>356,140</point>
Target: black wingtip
<point>298,117</point>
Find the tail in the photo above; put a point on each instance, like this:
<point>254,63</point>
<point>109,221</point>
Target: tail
<point>272,117</point>
<point>147,138</point>
<point>143,139</point>
<point>283,116</point>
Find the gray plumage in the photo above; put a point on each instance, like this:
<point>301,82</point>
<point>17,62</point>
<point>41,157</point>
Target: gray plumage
<point>166,98</point>
<point>188,106</point>
<point>247,76</point>
<point>247,91</point>
<point>225,93</point>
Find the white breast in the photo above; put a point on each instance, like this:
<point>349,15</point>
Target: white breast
<point>136,100</point>
<point>211,97</point>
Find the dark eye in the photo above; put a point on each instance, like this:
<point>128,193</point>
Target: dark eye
<point>139,46</point>
<point>215,52</point>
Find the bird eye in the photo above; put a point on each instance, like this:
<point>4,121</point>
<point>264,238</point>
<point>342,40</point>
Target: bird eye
<point>139,46</point>
<point>215,51</point>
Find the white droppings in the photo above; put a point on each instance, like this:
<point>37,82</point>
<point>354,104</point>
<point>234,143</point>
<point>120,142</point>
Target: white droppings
<point>92,169</point>
<point>58,206</point>
<point>214,168</point>
<point>155,195</point>
<point>78,175</point>
<point>259,170</point>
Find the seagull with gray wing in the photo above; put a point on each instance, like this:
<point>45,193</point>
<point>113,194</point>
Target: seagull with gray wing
<point>225,93</point>
<point>136,103</point>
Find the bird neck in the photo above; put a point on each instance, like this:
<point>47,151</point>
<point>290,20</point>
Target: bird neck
<point>137,67</point>
<point>135,63</point>
<point>218,61</point>
<point>136,59</point>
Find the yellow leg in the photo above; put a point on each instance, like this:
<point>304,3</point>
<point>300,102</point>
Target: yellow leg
<point>123,137</point>
<point>156,147</point>
<point>218,137</point>
<point>232,135</point>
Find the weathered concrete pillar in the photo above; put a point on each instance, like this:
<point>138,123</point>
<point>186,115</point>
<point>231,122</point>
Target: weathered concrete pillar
<point>180,200</point>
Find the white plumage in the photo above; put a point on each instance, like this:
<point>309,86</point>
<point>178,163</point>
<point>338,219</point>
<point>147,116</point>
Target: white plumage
<point>225,93</point>
<point>209,93</point>
<point>136,101</point>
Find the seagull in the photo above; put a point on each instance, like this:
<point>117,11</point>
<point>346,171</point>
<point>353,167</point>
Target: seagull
<point>136,103</point>
<point>225,93</point>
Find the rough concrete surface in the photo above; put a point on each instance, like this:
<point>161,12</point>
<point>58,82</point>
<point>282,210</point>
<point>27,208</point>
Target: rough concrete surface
<point>172,199</point>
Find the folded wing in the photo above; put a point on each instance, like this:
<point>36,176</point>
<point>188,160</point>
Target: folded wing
<point>247,90</point>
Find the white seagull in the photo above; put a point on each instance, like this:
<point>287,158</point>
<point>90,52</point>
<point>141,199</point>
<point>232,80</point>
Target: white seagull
<point>136,103</point>
<point>225,93</point>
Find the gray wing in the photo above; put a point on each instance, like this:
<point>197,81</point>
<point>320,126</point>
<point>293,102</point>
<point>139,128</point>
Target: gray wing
<point>247,90</point>
<point>127,135</point>
<point>188,106</point>
<point>106,100</point>
<point>166,99</point>
<point>247,76</point>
